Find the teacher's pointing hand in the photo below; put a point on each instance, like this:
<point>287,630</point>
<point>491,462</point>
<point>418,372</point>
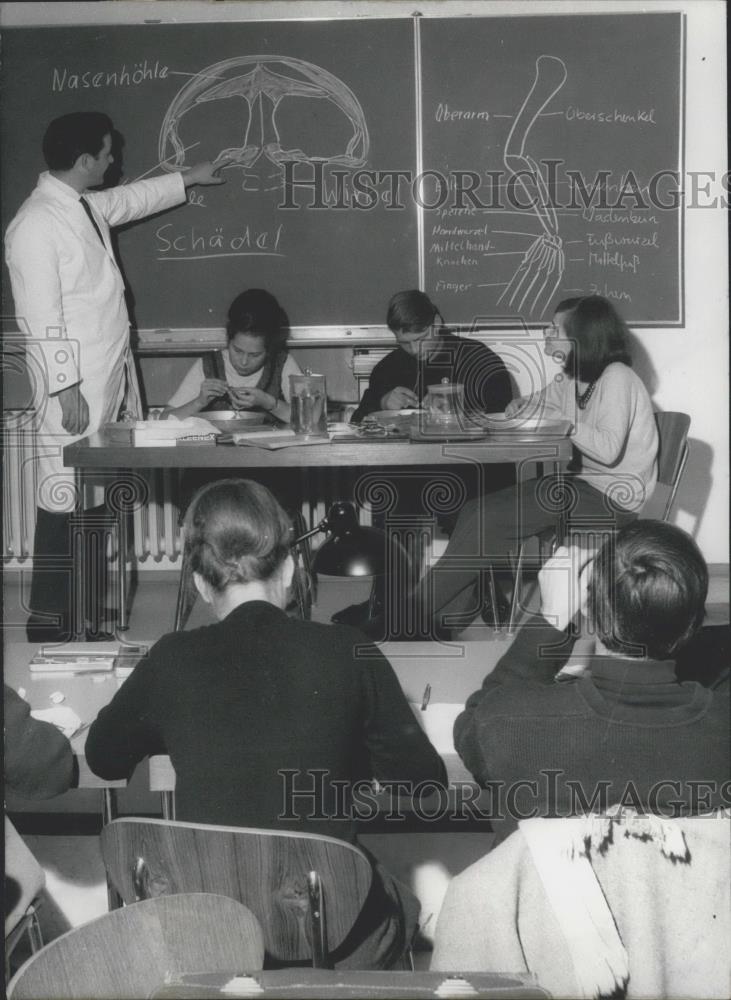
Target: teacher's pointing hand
<point>207,172</point>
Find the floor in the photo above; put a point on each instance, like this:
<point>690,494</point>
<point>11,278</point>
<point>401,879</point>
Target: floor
<point>76,890</point>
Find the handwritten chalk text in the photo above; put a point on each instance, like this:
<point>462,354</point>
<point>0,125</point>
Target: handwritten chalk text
<point>609,293</point>
<point>638,117</point>
<point>193,244</point>
<point>445,114</point>
<point>607,240</point>
<point>131,76</point>
<point>615,260</point>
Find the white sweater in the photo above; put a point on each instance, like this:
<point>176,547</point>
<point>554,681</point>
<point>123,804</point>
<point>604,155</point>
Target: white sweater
<point>673,915</point>
<point>616,433</point>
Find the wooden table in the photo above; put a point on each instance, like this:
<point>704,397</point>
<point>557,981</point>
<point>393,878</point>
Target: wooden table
<point>86,694</point>
<point>99,452</point>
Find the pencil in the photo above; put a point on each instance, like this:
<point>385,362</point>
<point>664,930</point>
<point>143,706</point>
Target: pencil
<point>425,699</point>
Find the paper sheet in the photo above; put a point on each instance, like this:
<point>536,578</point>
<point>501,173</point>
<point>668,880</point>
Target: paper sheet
<point>61,717</point>
<point>437,721</point>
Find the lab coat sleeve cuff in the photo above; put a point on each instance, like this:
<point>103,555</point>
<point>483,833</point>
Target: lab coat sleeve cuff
<point>60,363</point>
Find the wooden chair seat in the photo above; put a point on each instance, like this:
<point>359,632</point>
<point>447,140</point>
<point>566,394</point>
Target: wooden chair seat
<point>131,951</point>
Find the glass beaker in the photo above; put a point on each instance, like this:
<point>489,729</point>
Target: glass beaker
<point>308,401</point>
<point>444,403</point>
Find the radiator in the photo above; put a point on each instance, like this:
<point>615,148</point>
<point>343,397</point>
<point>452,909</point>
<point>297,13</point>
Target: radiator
<point>156,535</point>
<point>156,524</point>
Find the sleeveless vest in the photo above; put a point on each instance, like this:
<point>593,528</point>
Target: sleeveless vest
<point>270,379</point>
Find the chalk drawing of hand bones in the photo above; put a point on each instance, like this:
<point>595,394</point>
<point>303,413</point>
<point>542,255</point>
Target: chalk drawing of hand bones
<point>540,271</point>
<point>264,90</point>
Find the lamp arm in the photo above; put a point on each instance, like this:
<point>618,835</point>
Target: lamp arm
<point>322,526</point>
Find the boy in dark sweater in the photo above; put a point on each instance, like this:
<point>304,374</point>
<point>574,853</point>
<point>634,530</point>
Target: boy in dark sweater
<point>427,354</point>
<point>624,731</point>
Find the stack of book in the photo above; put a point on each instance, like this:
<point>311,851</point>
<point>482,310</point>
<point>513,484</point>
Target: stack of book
<point>75,658</point>
<point>85,657</point>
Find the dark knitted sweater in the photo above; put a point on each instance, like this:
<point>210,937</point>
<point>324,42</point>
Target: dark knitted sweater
<point>39,762</point>
<point>628,733</point>
<point>236,702</point>
<point>485,378</point>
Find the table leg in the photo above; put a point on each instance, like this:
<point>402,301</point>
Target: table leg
<point>78,556</point>
<point>109,805</point>
<point>168,805</point>
<point>123,619</point>
<point>558,470</point>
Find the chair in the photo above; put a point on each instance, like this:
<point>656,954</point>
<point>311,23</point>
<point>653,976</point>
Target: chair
<point>28,924</point>
<point>131,951</point>
<point>24,883</point>
<point>306,890</point>
<point>672,429</point>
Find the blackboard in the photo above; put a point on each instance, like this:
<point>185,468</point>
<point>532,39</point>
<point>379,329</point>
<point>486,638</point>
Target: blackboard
<point>378,118</point>
<point>536,109</point>
<point>333,90</point>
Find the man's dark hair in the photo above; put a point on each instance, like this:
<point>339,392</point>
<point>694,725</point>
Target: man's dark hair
<point>648,590</point>
<point>70,136</point>
<point>600,338</point>
<point>410,312</point>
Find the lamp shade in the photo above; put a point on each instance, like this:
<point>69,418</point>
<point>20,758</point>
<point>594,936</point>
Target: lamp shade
<point>351,550</point>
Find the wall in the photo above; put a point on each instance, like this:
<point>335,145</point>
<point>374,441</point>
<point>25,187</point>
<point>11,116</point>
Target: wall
<point>685,368</point>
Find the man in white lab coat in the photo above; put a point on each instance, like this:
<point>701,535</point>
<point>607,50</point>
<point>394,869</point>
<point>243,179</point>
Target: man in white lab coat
<point>69,298</point>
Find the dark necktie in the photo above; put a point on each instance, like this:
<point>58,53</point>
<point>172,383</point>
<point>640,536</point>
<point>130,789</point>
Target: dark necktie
<point>85,205</point>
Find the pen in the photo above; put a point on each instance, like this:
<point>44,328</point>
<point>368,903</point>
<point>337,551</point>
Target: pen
<point>425,699</point>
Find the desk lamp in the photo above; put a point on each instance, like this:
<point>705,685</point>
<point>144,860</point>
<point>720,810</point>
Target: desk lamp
<point>353,550</point>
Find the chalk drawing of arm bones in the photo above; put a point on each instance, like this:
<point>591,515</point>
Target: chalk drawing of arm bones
<point>264,89</point>
<point>540,271</point>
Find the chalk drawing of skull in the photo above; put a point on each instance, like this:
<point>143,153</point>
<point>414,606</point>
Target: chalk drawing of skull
<point>292,110</point>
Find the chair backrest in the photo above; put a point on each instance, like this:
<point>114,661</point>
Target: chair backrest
<point>129,952</point>
<point>266,870</point>
<point>672,429</point>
